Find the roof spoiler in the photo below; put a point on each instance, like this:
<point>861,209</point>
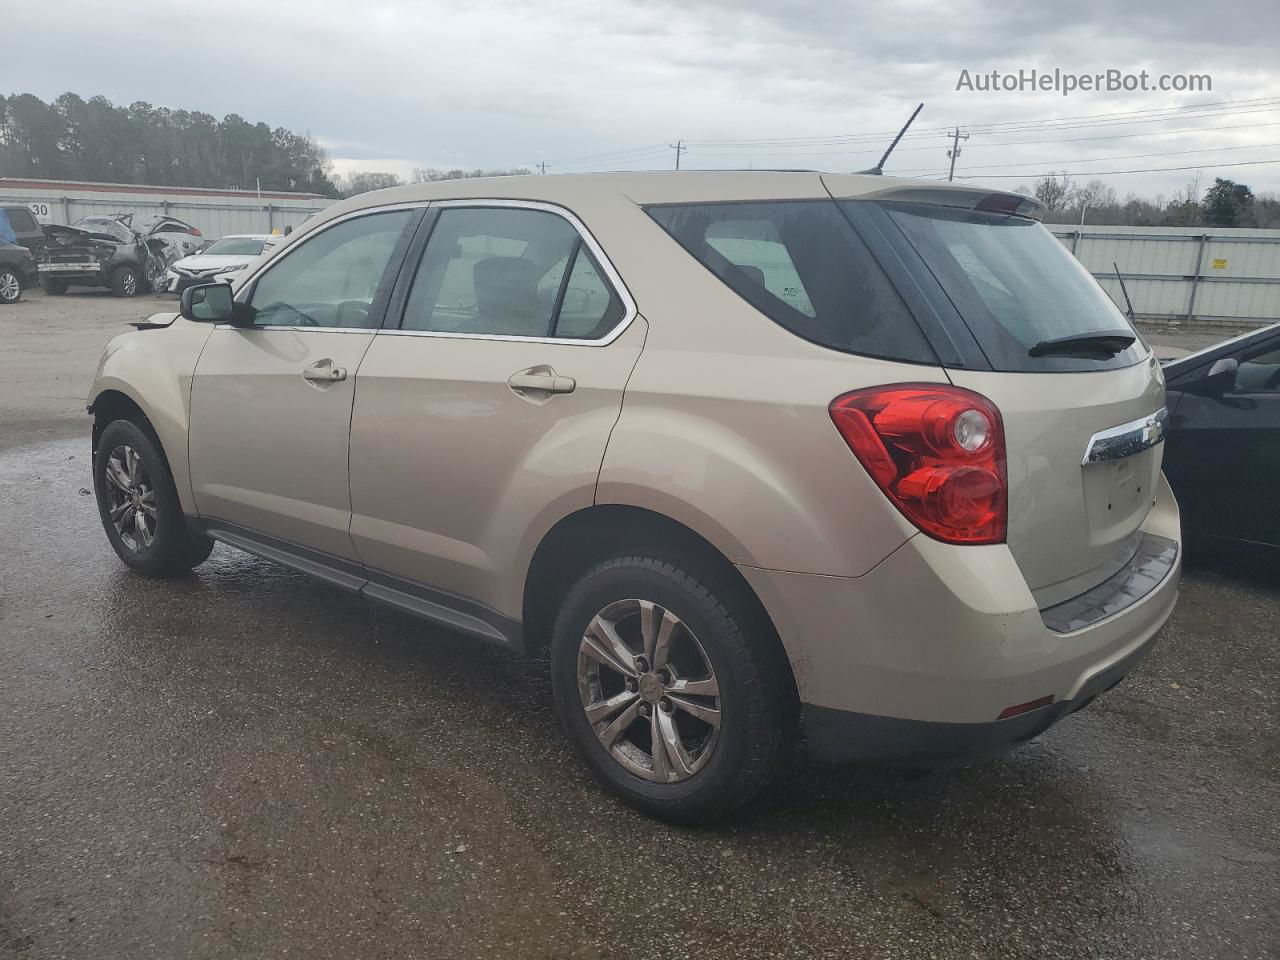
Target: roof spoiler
<point>968,198</point>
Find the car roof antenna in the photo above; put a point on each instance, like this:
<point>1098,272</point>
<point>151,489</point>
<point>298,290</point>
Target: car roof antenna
<point>1125,290</point>
<point>878,169</point>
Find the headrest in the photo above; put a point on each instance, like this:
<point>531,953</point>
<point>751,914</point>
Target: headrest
<point>507,295</point>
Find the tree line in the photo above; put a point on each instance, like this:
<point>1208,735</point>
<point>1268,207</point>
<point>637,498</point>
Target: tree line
<point>76,139</point>
<point>72,138</point>
<point>1224,204</point>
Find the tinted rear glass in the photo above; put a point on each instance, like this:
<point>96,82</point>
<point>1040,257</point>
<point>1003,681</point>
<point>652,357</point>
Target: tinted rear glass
<point>1015,286</point>
<point>801,264</point>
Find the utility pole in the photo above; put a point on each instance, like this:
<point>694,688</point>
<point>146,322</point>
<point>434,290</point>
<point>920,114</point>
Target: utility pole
<point>542,166</point>
<point>956,137</point>
<point>679,148</point>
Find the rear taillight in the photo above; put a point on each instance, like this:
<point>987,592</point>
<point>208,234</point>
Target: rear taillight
<point>195,232</point>
<point>937,452</point>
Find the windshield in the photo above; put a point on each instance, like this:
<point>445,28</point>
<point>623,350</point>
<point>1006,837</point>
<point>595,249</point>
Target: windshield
<point>113,228</point>
<point>1015,286</point>
<point>233,246</point>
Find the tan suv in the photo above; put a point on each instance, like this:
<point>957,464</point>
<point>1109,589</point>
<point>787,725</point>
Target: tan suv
<point>742,453</point>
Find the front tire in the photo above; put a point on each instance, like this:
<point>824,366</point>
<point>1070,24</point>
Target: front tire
<point>670,687</point>
<point>10,286</point>
<point>139,505</point>
<point>125,282</point>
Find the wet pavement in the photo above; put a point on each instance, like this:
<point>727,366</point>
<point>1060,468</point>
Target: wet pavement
<point>247,763</point>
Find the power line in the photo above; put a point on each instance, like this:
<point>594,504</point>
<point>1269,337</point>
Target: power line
<point>1111,173</point>
<point>1105,119</point>
<point>1131,156</point>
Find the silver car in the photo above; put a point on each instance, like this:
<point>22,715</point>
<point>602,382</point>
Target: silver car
<point>744,454</point>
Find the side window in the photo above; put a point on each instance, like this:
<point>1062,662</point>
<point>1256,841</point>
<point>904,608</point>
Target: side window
<point>330,279</point>
<point>1259,372</point>
<point>801,264</point>
<point>22,221</point>
<point>491,270</point>
<point>590,308</point>
<point>756,249</point>
<point>509,272</point>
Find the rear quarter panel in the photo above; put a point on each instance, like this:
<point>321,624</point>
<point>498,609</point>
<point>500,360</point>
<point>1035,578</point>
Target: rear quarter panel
<point>724,423</point>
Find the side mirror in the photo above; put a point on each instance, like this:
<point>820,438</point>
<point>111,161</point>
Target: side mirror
<point>1220,378</point>
<point>208,303</point>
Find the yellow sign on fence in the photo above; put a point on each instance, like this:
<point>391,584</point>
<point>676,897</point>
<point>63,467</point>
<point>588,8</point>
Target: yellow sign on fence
<point>1220,263</point>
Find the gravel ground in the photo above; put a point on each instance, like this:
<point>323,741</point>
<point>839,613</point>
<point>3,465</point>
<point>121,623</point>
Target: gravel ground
<point>246,763</point>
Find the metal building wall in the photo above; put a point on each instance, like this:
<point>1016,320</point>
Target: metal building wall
<point>1217,277</point>
<point>214,213</point>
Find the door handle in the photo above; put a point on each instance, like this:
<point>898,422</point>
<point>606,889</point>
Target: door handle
<point>542,382</point>
<point>324,372</point>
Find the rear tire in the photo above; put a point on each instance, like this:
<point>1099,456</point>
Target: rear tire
<point>719,659</point>
<point>54,286</point>
<point>139,505</point>
<point>10,286</point>
<point>125,282</point>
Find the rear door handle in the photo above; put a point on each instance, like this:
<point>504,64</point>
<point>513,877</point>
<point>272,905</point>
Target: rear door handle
<point>324,372</point>
<point>542,382</point>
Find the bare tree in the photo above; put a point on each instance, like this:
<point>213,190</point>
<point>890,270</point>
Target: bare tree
<point>362,181</point>
<point>1053,191</point>
<point>431,175</point>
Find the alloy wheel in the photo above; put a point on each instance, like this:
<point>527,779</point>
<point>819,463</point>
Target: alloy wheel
<point>10,288</point>
<point>649,691</point>
<point>131,498</point>
<point>129,283</point>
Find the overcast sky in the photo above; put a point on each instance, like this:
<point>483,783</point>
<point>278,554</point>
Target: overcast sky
<point>394,85</point>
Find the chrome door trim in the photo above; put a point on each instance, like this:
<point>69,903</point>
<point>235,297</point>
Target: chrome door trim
<point>1127,439</point>
<point>629,309</point>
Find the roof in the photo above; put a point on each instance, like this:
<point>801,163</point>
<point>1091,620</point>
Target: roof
<point>668,186</point>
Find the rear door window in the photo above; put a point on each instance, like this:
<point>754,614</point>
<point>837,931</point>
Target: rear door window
<point>509,272</point>
<point>1015,286</point>
<point>801,264</point>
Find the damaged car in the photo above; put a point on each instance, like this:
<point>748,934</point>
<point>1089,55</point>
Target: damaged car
<point>128,255</point>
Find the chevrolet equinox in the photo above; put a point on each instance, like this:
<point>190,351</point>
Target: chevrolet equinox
<point>745,456</point>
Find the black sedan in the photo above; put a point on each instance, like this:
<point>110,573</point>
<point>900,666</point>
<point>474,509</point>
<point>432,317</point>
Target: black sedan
<point>1223,444</point>
<point>17,271</point>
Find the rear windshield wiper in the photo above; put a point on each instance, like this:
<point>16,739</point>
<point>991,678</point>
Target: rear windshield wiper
<point>1100,344</point>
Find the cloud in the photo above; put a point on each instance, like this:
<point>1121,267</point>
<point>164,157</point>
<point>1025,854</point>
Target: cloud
<point>490,84</point>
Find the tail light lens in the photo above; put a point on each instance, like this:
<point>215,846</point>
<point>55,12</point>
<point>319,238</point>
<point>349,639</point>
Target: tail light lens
<point>937,452</point>
<point>195,232</point>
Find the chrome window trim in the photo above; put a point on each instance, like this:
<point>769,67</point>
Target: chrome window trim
<point>1127,439</point>
<point>629,309</point>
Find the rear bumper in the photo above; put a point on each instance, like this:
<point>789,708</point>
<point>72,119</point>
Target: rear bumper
<point>915,661</point>
<point>841,736</point>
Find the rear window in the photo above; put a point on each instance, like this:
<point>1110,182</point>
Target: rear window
<point>1015,286</point>
<point>802,265</point>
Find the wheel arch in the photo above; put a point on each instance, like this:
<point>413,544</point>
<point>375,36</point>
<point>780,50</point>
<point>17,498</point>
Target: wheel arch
<point>592,534</point>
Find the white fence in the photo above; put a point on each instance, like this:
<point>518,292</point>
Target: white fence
<point>214,212</point>
<point>1214,277</point>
